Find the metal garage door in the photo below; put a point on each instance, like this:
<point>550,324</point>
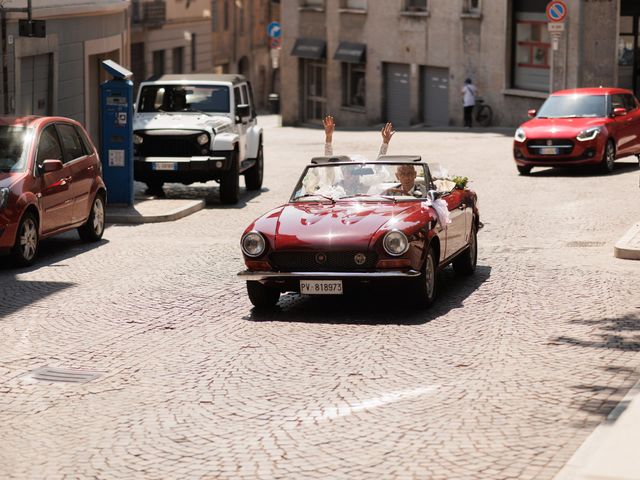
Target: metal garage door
<point>35,85</point>
<point>435,96</point>
<point>398,94</point>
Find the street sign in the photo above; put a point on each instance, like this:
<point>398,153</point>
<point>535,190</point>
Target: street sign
<point>555,27</point>
<point>274,30</point>
<point>556,11</point>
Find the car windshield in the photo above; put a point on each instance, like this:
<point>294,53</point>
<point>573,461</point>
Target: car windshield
<point>572,106</point>
<point>13,156</point>
<point>375,181</point>
<point>184,98</point>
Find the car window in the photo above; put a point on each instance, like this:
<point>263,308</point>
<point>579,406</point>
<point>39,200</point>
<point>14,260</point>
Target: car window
<point>184,98</point>
<point>86,144</point>
<point>70,141</point>
<point>251,100</point>
<point>568,106</point>
<point>238,96</point>
<point>13,151</point>
<point>629,102</point>
<point>49,146</point>
<point>617,101</point>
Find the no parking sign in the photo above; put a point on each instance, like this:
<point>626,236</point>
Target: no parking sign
<point>556,11</point>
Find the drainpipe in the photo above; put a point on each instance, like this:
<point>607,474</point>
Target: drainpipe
<point>5,68</point>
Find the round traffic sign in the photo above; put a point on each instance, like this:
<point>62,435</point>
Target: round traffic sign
<point>556,11</point>
<point>274,30</point>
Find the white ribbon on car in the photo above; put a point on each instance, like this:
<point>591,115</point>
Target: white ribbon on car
<point>442,211</point>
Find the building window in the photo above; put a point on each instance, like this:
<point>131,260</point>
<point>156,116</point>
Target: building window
<point>214,15</point>
<point>158,62</point>
<point>178,60</point>
<point>353,85</point>
<point>415,5</point>
<point>471,6</point>
<point>531,46</point>
<point>194,56</point>
<point>226,15</point>
<point>354,4</point>
<point>319,4</point>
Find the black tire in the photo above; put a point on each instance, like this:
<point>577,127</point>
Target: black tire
<point>93,228</point>
<point>465,263</point>
<point>253,176</point>
<point>484,115</point>
<point>27,241</point>
<point>426,286</point>
<point>524,170</point>
<point>262,296</point>
<point>230,182</point>
<point>608,158</point>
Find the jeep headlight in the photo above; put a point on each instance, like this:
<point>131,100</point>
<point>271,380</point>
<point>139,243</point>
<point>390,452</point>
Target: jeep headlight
<point>137,139</point>
<point>253,244</point>
<point>395,243</point>
<point>203,139</point>
<point>520,136</point>
<point>4,197</point>
<point>589,134</point>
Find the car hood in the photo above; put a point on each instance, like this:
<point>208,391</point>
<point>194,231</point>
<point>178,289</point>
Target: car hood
<point>7,180</point>
<point>341,225</point>
<point>174,121</point>
<point>558,127</point>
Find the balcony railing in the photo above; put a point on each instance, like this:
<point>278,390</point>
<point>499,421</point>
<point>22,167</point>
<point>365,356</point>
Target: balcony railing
<point>150,13</point>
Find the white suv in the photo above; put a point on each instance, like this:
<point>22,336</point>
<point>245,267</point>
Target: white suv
<point>196,128</point>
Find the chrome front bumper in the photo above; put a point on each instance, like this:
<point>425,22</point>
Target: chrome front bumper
<point>252,275</point>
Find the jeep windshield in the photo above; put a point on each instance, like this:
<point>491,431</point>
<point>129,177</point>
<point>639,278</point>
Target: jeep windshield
<point>13,156</point>
<point>184,98</point>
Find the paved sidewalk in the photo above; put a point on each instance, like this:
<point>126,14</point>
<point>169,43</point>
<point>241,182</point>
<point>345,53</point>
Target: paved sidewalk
<point>153,210</point>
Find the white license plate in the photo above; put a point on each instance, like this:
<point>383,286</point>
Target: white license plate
<point>165,166</point>
<point>321,287</point>
<point>548,151</point>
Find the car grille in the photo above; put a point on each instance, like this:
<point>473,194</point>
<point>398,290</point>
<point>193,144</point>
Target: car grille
<point>170,145</point>
<point>564,146</point>
<point>321,261</point>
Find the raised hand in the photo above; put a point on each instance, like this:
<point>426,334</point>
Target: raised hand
<point>387,132</point>
<point>329,127</point>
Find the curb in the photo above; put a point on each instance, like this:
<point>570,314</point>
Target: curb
<point>153,211</point>
<point>628,247</point>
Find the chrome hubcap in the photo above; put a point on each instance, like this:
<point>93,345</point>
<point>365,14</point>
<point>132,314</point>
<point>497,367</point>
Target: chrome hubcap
<point>28,239</point>
<point>98,216</point>
<point>429,274</point>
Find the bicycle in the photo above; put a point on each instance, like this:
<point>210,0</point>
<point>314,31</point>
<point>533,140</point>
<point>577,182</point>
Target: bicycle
<point>483,114</point>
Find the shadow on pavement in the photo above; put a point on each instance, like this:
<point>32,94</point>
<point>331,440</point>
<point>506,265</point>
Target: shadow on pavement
<point>209,192</point>
<point>620,167</point>
<point>378,305</point>
<point>620,333</point>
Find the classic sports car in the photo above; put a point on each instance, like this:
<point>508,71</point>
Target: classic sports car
<point>355,222</point>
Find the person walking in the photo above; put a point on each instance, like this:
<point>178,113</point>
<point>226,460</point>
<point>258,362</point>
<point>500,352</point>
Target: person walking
<point>469,94</point>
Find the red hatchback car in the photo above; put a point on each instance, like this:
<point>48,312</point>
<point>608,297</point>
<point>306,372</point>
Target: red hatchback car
<point>584,126</point>
<point>50,182</point>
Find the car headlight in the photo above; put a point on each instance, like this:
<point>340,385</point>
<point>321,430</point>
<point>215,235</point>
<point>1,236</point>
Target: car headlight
<point>520,136</point>
<point>395,243</point>
<point>4,197</point>
<point>589,134</point>
<point>203,139</point>
<point>253,244</point>
<point>137,139</point>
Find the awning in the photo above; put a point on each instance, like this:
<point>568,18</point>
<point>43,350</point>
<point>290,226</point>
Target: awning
<point>351,52</point>
<point>309,48</point>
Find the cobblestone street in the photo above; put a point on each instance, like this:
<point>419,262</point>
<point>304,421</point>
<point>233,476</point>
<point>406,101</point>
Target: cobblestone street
<point>503,378</point>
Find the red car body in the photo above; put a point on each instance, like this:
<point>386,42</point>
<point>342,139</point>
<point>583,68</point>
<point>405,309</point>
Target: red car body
<point>554,140</point>
<point>43,198</point>
<point>320,240</point>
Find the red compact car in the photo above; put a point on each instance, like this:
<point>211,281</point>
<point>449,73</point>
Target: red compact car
<point>585,126</point>
<point>350,223</point>
<point>50,182</point>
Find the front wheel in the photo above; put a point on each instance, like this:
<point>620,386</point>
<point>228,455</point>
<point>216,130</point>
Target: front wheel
<point>253,176</point>
<point>27,241</point>
<point>427,283</point>
<point>608,158</point>
<point>465,263</point>
<point>230,182</point>
<point>93,229</point>
<point>262,296</point>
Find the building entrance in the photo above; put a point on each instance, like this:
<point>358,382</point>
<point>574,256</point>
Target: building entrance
<point>628,46</point>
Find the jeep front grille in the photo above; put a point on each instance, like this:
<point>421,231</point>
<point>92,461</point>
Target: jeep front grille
<point>181,145</point>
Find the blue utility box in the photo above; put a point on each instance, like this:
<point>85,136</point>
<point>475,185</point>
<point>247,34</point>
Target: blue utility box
<point>116,110</point>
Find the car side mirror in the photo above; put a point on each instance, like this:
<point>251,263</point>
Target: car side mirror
<point>619,112</point>
<point>532,112</point>
<point>243,111</point>
<point>51,165</point>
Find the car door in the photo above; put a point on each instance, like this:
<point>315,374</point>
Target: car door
<point>631,104</point>
<point>622,128</point>
<point>456,231</point>
<point>242,124</point>
<point>56,198</point>
<point>82,170</point>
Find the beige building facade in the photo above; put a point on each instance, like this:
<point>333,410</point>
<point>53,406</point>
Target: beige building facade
<point>367,61</point>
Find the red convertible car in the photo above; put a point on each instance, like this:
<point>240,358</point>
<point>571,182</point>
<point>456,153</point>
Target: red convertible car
<point>350,222</point>
<point>584,126</point>
<point>50,182</point>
